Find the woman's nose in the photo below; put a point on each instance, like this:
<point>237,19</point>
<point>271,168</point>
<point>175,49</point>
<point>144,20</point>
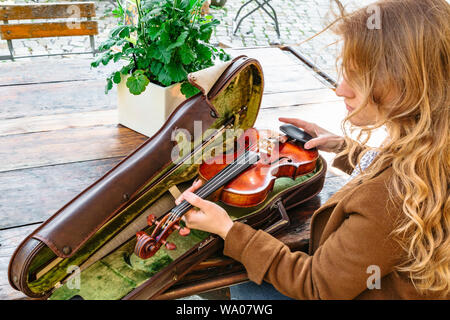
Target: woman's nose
<point>344,90</point>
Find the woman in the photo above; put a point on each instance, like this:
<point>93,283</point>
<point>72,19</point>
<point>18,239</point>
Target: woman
<point>385,235</point>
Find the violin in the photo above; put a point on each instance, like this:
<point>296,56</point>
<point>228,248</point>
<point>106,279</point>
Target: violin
<point>242,178</point>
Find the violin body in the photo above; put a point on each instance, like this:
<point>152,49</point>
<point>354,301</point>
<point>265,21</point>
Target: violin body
<point>242,178</point>
<point>250,188</point>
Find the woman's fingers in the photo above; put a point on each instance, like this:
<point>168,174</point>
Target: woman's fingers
<point>191,217</point>
<point>307,126</point>
<point>316,142</point>
<point>329,143</point>
<point>196,201</point>
<point>195,186</point>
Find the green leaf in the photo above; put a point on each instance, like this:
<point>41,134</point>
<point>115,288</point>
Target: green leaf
<point>186,54</point>
<point>105,58</point>
<point>109,85</point>
<point>106,45</point>
<point>206,30</point>
<point>117,77</point>
<point>154,32</point>
<point>184,4</point>
<point>118,12</point>
<point>96,62</point>
<point>179,42</point>
<point>143,63</point>
<point>192,3</point>
<point>155,68</point>
<point>120,31</point>
<point>176,72</point>
<point>165,35</point>
<point>137,82</point>
<point>203,52</point>
<point>126,69</point>
<point>188,89</point>
<point>164,77</point>
<point>117,56</point>
<point>161,54</point>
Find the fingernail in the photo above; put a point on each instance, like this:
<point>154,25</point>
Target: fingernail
<point>307,145</point>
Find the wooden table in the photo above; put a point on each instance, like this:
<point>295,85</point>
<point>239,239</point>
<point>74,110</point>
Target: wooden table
<point>59,134</point>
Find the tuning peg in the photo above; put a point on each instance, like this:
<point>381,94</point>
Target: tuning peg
<point>169,245</point>
<point>151,220</point>
<point>182,231</point>
<point>140,234</point>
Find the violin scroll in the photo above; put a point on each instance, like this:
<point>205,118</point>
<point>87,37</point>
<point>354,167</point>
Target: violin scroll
<point>148,245</point>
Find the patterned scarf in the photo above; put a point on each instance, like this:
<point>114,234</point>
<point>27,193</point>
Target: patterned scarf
<point>366,160</point>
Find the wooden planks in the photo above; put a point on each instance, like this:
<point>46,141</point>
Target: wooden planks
<point>267,57</point>
<point>281,72</point>
<point>47,11</point>
<point>44,70</point>
<point>301,97</point>
<point>57,122</point>
<point>33,195</point>
<point>48,29</point>
<point>289,78</point>
<point>45,99</point>
<point>326,114</point>
<point>65,146</point>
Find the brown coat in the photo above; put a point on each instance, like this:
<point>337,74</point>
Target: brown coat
<point>350,238</point>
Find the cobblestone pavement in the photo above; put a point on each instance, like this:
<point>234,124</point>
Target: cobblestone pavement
<point>298,20</point>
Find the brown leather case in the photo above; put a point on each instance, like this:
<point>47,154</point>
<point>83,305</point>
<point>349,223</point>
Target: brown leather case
<point>225,271</point>
<point>89,221</point>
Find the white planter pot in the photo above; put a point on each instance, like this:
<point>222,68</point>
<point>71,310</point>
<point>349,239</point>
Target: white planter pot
<point>147,112</point>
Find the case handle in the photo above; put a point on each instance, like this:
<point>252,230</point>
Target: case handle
<point>284,222</point>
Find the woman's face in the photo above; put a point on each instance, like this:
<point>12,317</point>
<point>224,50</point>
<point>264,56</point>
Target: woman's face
<point>353,99</point>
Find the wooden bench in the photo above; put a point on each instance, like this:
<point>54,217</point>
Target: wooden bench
<point>71,14</point>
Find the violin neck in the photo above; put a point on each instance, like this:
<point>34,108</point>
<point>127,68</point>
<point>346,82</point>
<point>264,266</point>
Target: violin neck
<point>239,165</point>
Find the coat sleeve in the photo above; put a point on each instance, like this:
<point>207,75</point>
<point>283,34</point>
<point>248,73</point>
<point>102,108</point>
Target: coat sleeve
<point>339,267</point>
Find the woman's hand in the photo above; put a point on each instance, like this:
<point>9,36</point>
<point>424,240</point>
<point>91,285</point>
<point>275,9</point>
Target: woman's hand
<point>323,140</point>
<point>210,218</point>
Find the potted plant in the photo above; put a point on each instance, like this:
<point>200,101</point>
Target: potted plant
<point>158,48</point>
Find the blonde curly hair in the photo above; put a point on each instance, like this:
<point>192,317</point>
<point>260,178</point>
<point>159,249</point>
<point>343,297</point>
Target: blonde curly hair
<point>409,55</point>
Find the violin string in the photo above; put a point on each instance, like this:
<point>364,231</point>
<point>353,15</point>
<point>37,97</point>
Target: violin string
<point>220,174</point>
<point>217,179</point>
<point>212,187</point>
<point>185,204</point>
<point>209,139</point>
<point>176,212</point>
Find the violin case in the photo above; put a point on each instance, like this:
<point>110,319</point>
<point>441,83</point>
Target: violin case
<point>85,250</point>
